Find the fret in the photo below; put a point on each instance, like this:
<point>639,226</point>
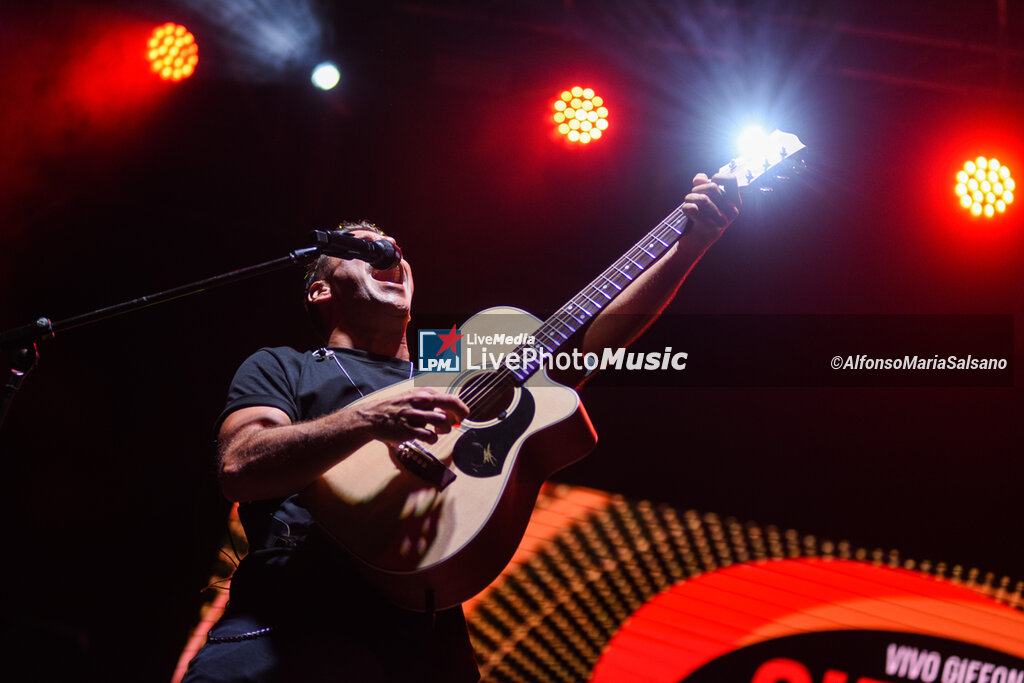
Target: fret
<point>606,294</point>
<point>639,259</point>
<point>564,337</point>
<point>612,282</point>
<point>546,349</point>
<point>584,295</point>
<point>567,311</point>
<point>633,262</point>
<point>576,323</point>
<point>622,272</point>
<point>547,345</point>
<point>579,318</point>
<point>586,311</point>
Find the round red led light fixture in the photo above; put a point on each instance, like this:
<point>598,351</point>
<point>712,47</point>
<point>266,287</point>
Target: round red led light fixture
<point>580,115</point>
<point>985,187</point>
<point>172,52</point>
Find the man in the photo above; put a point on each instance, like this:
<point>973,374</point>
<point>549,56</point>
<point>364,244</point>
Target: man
<point>299,611</point>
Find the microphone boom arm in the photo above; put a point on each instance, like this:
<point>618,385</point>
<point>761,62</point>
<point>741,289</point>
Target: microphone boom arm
<point>21,342</point>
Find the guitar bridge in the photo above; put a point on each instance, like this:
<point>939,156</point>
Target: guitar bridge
<point>423,464</point>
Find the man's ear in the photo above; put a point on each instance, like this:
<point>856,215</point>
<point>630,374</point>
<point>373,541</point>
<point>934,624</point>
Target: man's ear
<point>319,292</point>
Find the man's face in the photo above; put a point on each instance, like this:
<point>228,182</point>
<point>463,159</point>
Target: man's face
<point>358,289</point>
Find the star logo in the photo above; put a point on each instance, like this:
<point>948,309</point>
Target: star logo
<point>449,341</point>
<point>439,351</point>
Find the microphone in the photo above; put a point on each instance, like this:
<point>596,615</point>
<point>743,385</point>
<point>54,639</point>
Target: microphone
<point>380,254</point>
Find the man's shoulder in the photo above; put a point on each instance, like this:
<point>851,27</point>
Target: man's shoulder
<point>281,354</point>
<point>276,361</point>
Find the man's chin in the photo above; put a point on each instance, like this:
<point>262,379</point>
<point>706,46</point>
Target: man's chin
<point>397,306</point>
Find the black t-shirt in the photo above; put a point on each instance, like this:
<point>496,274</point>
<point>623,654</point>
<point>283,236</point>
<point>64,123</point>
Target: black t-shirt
<point>294,577</point>
<point>305,385</point>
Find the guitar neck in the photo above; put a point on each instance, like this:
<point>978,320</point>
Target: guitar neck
<point>601,291</point>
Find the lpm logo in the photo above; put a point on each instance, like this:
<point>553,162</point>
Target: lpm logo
<point>440,350</point>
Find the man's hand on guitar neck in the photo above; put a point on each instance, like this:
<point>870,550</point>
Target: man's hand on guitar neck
<point>713,204</point>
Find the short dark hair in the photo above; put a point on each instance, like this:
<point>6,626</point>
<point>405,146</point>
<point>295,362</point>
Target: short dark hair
<point>318,270</point>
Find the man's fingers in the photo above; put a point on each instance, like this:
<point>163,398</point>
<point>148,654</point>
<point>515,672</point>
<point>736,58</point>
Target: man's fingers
<point>425,435</point>
<point>727,181</point>
<point>714,200</point>
<point>431,398</point>
<point>419,414</point>
<point>721,186</point>
<point>454,405</point>
<point>700,205</point>
<point>729,188</point>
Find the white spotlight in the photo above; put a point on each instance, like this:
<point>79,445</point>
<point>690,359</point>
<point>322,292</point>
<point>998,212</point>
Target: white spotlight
<point>326,76</point>
<point>752,141</point>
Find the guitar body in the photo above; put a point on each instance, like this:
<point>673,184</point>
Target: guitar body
<point>427,548</point>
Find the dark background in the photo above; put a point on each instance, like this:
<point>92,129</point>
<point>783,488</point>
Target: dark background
<point>113,186</point>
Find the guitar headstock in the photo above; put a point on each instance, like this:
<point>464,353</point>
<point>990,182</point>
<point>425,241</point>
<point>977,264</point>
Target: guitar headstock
<point>770,159</point>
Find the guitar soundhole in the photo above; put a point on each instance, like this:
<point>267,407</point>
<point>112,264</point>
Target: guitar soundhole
<point>488,396</point>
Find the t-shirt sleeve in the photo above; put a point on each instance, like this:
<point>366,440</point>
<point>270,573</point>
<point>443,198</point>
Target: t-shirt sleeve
<point>262,380</point>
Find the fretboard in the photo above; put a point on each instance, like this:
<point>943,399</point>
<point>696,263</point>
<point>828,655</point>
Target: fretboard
<point>601,291</point>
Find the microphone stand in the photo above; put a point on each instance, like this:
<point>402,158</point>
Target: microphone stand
<point>22,342</point>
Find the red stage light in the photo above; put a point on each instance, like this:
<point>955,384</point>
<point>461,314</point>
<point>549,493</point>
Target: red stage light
<point>985,187</point>
<point>580,115</point>
<point>172,52</point>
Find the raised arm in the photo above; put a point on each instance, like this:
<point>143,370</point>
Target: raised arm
<point>712,205</point>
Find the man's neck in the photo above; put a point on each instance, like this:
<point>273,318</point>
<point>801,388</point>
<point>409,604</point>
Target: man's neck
<point>384,343</point>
